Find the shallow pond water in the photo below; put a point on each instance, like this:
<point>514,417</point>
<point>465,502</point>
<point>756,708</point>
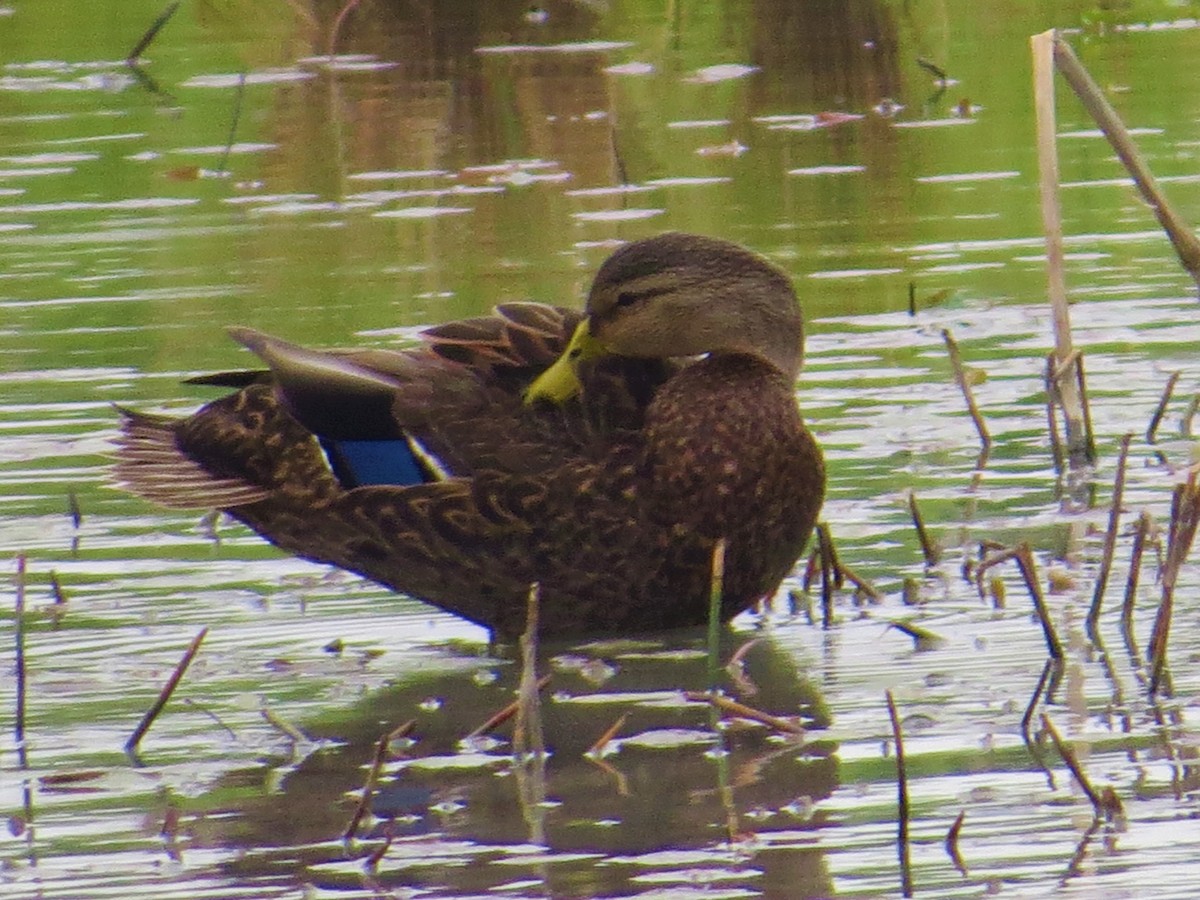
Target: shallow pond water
<point>346,178</point>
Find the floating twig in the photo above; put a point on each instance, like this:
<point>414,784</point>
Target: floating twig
<point>952,843</point>
<point>368,788</point>
<point>726,704</point>
<point>1072,761</point>
<point>923,639</point>
<point>1161,409</point>
<point>902,847</point>
<point>165,694</point>
<point>964,385</point>
<point>19,650</point>
<point>151,33</point>
<point>1110,537</point>
<point>929,546</point>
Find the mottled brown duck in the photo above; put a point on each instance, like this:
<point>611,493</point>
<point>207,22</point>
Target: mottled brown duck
<point>600,454</point>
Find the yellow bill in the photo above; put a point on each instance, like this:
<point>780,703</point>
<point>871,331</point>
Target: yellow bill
<point>560,382</point>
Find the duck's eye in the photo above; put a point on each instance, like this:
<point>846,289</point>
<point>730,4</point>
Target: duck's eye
<point>574,353</point>
<point>626,298</point>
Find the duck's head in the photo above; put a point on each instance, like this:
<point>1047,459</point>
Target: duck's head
<point>680,295</point>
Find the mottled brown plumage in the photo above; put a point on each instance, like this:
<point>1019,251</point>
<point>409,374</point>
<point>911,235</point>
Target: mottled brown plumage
<point>612,500</point>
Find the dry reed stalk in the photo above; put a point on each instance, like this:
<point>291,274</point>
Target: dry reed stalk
<point>1072,761</point>
<point>233,121</point>
<point>1051,671</point>
<point>952,843</point>
<point>860,584</point>
<point>1161,409</point>
<point>964,385</point>
<point>1110,538</point>
<point>368,788</point>
<point>1042,47</point>
<point>1135,565</point>
<point>1185,422</point>
<point>1024,558</point>
<point>283,726</point>
<point>929,546</point>
<point>1052,403</point>
<point>601,742</point>
<point>151,33</point>
<point>828,568</point>
<point>73,510</point>
<point>725,704</point>
<point>1185,516</point>
<point>902,810</point>
<point>716,591</point>
<point>165,694</point>
<point>527,729</point>
<point>500,717</point>
<point>1182,238</point>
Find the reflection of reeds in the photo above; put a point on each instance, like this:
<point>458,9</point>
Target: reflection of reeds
<point>1068,756</point>
<point>151,33</point>
<point>1110,537</point>
<point>19,650</point>
<point>1051,672</point>
<point>1161,409</point>
<point>902,811</point>
<point>165,694</point>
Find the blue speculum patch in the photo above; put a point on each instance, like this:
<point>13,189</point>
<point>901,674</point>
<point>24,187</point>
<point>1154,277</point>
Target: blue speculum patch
<point>358,463</point>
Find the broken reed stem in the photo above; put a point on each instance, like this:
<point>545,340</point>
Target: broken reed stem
<point>902,847</point>
<point>1185,422</point>
<point>1051,668</point>
<point>1110,537</point>
<point>952,843</point>
<point>1052,403</point>
<point>1135,565</point>
<point>1185,516</point>
<point>282,725</point>
<point>19,650</point>
<point>860,583</point>
<point>1024,557</point>
<point>368,788</point>
<point>601,742</point>
<point>151,33</point>
<point>1161,409</point>
<point>960,376</point>
<point>165,694</point>
<point>527,730</point>
<point>725,704</point>
<point>1072,761</point>
<point>1042,47</point>
<point>1182,238</point>
<point>1089,434</point>
<point>716,590</point>
<point>929,547</point>
<point>828,565</point>
<point>499,718</point>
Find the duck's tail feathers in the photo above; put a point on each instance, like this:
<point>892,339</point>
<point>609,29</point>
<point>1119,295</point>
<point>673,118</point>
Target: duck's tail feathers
<point>151,465</point>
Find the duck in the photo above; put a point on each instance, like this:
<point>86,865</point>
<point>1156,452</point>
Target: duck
<point>602,455</point>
